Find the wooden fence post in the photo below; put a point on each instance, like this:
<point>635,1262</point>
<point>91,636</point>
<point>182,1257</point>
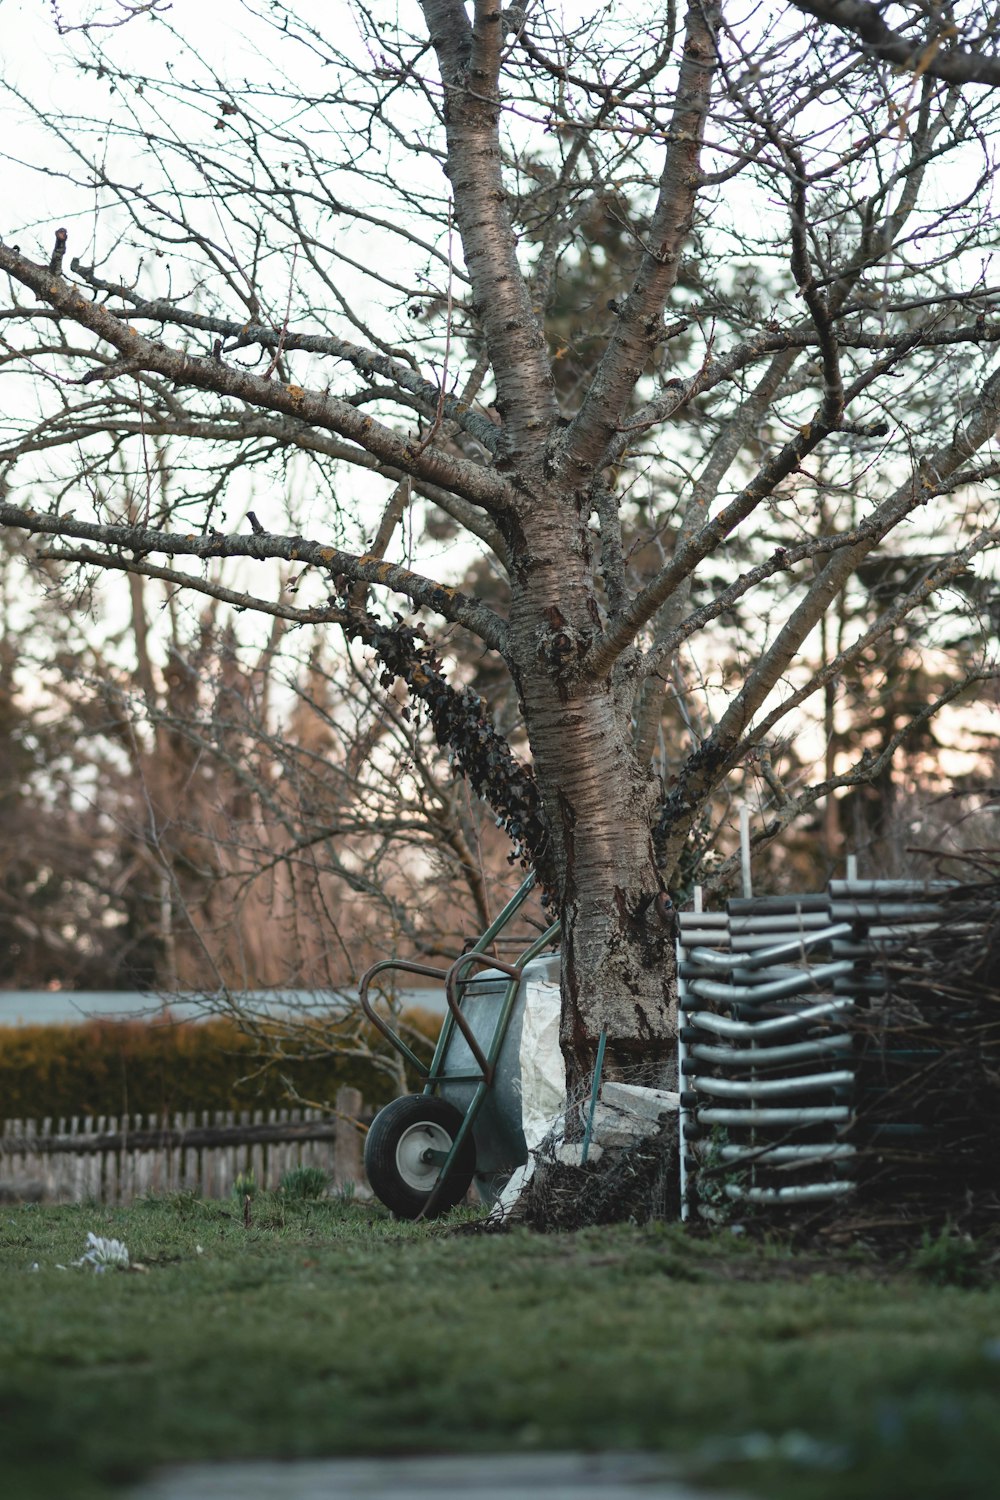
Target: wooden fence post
<point>347,1155</point>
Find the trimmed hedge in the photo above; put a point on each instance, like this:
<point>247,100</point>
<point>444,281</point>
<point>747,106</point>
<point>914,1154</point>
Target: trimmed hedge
<point>141,1067</point>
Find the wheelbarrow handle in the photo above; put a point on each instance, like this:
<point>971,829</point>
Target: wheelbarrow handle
<point>377,1021</point>
<point>451,982</point>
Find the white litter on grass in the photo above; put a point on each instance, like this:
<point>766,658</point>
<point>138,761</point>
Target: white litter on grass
<point>793,1447</point>
<point>104,1254</point>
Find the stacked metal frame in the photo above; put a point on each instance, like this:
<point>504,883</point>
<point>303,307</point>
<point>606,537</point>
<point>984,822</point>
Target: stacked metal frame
<point>766,1047</point>
<point>894,1129</point>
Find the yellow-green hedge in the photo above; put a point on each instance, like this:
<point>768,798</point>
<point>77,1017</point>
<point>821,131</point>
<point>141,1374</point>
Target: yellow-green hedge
<point>137,1067</point>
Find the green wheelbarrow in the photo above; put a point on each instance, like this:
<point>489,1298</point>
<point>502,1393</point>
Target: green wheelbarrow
<point>423,1151</point>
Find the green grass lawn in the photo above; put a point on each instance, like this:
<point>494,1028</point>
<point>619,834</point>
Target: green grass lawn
<point>327,1328</point>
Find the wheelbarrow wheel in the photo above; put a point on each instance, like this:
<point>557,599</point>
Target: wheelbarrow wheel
<point>403,1155</point>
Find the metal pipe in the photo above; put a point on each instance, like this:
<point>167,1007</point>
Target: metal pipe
<point>809,921</point>
<point>774,1026</point>
<point>708,937</point>
<point>780,951</point>
<point>767,952</point>
<point>771,1154</point>
<point>861,984</point>
<point>770,1057</point>
<point>753,942</point>
<point>383,1026</point>
<point>887,911</point>
<point>854,888</point>
<point>745,975</point>
<point>703,919</point>
<point>804,1192</point>
<point>830,1114</point>
<point>843,948</point>
<point>682,1002</point>
<point>706,958</point>
<point>595,1088</point>
<point>773,905</point>
<point>907,931</point>
<point>881,941</point>
<point>772,1088</point>
<point>779,989</point>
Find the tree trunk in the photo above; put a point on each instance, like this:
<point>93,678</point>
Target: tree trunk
<point>618,973</point>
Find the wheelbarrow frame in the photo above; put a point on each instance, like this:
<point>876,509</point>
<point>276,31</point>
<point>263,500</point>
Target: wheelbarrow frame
<point>455,977</point>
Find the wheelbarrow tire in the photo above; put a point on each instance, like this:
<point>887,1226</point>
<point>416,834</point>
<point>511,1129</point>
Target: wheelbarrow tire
<point>395,1147</point>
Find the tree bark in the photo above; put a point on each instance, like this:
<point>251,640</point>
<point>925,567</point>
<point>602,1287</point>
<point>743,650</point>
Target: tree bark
<point>617,956</point>
<point>599,804</point>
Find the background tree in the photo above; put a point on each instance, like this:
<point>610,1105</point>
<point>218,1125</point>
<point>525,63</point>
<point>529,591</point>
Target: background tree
<point>186,810</point>
<point>356,261</point>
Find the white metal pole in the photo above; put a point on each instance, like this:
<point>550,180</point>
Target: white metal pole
<point>745,850</point>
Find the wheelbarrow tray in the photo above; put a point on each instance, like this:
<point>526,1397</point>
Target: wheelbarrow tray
<point>497,1126</point>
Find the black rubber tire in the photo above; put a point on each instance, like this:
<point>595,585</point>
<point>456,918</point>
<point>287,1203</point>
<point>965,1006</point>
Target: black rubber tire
<point>400,1125</point>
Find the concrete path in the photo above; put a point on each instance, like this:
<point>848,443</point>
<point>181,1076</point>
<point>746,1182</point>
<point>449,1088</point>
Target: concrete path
<point>555,1476</point>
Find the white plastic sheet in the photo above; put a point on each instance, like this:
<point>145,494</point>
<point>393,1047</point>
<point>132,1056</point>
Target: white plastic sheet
<point>543,1079</point>
<point>543,1072</point>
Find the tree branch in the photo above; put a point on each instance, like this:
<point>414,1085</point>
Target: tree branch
<point>719,751</point>
<point>935,579</point>
<point>923,485</point>
<point>864,771</point>
<point>208,374</point>
<point>639,322</point>
<point>469,58</point>
<point>237,335</point>
<point>450,603</point>
<point>919,55</point>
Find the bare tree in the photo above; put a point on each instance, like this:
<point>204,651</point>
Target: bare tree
<point>183,810</point>
<point>361,264</point>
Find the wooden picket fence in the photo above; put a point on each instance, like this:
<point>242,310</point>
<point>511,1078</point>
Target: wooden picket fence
<point>117,1159</point>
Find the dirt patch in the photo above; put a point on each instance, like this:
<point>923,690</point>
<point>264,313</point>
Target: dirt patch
<point>625,1185</point>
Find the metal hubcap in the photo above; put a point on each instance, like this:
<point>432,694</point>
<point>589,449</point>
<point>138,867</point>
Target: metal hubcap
<point>415,1163</point>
